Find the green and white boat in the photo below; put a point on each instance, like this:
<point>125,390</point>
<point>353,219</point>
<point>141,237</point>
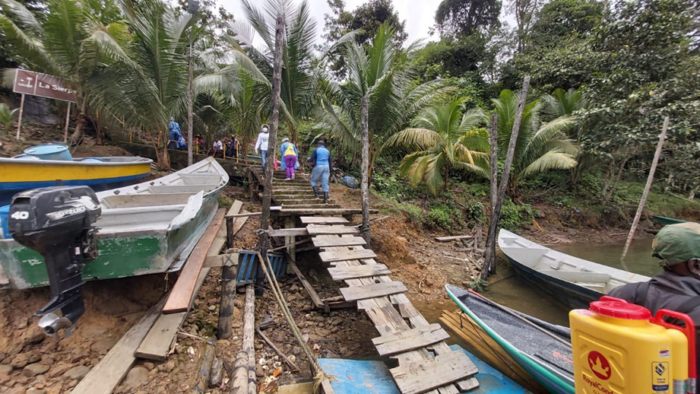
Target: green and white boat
<point>666,221</point>
<point>144,229</point>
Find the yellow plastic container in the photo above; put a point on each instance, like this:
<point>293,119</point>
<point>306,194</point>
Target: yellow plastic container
<point>617,350</point>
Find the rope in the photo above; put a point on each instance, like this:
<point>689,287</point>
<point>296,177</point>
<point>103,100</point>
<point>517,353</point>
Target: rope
<point>319,376</point>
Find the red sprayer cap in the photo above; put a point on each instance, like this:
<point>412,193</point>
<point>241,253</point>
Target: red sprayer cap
<point>620,309</point>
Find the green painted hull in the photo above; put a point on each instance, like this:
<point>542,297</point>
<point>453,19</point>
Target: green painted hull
<point>664,221</point>
<point>118,257</point>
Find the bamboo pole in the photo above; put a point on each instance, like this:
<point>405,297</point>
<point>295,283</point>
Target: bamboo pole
<point>65,131</point>
<point>19,121</point>
<point>249,335</point>
<point>489,266</point>
<point>647,187</point>
<point>240,374</point>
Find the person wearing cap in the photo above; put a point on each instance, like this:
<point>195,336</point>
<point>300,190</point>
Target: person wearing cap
<point>678,287</point>
<point>289,157</point>
<point>321,160</point>
<point>261,144</point>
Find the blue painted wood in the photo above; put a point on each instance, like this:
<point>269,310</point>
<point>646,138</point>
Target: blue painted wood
<point>248,266</point>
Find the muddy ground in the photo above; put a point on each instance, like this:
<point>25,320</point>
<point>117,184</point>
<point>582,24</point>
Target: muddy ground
<point>32,363</point>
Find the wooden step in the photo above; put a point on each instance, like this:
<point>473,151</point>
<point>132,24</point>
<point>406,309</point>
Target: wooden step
<point>318,230</point>
<point>313,205</point>
<point>374,290</point>
<point>287,201</point>
<point>358,271</point>
<point>329,242</point>
<point>323,220</point>
<point>408,340</point>
<point>345,255</point>
<point>421,376</point>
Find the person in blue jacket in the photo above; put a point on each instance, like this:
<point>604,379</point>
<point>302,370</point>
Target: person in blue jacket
<point>321,160</point>
<point>174,133</point>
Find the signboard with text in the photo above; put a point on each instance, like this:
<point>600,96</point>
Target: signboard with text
<point>43,85</point>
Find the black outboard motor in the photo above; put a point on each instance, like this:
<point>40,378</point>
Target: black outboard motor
<point>57,223</point>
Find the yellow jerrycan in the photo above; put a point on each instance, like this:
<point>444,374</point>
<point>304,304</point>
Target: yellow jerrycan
<point>618,348</point>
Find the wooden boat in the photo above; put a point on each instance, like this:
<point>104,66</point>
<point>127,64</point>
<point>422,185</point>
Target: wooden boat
<point>540,349</point>
<point>47,165</point>
<point>573,281</point>
<point>665,221</point>
<point>143,229</point>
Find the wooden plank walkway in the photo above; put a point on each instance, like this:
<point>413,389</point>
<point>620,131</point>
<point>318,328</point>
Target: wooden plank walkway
<point>404,333</point>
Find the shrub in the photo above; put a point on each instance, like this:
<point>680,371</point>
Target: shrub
<point>515,216</point>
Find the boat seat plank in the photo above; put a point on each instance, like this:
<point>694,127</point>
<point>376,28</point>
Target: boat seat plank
<point>326,242</point>
<point>181,294</point>
<point>323,220</point>
<point>409,340</point>
<point>333,256</point>
<point>577,276</point>
<point>422,376</point>
<point>162,189</point>
<point>373,290</point>
<point>318,230</point>
<point>361,271</point>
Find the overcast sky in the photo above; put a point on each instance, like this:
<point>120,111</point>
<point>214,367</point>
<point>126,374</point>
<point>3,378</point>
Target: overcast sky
<point>418,14</point>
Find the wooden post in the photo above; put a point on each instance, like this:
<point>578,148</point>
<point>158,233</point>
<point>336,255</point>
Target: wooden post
<point>493,140</point>
<point>489,266</point>
<point>647,187</point>
<point>272,147</point>
<point>21,111</point>
<point>65,131</point>
<point>249,335</point>
<point>364,187</point>
<point>229,232</point>
<point>202,385</point>
<point>217,373</point>
<point>290,241</point>
<point>240,374</point>
<point>228,293</point>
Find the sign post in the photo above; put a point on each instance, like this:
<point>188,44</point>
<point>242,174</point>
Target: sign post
<point>19,121</point>
<point>65,132</point>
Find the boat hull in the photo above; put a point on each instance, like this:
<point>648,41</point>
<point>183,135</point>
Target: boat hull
<point>19,175</point>
<point>118,257</point>
<point>666,221</point>
<point>571,295</point>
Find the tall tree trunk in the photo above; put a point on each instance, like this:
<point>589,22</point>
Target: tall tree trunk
<point>269,165</point>
<point>489,261</point>
<point>164,162</point>
<point>190,105</point>
<point>80,122</point>
<point>647,187</point>
<point>365,169</point>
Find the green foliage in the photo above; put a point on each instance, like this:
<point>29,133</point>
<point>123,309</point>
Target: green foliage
<point>388,184</point>
<point>445,216</point>
<point>465,17</point>
<point>450,57</point>
<point>6,117</point>
<point>514,216</point>
<point>562,19</point>
<point>474,211</point>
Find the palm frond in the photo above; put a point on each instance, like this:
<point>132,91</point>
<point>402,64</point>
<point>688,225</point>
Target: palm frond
<point>551,160</point>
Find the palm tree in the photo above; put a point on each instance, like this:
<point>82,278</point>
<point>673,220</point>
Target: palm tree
<point>74,41</point>
<point>299,76</point>
<point>443,138</point>
<point>566,103</point>
<point>540,146</point>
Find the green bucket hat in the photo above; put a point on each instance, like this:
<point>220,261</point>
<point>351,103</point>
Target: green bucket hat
<point>677,243</point>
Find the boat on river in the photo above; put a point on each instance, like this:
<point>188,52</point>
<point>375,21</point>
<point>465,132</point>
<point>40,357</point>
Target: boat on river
<point>665,221</point>
<point>541,349</point>
<point>571,280</point>
<point>52,164</point>
<point>143,229</point>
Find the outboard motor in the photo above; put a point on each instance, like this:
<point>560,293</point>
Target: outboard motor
<point>58,223</point>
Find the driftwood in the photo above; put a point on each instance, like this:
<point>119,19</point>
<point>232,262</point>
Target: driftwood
<point>217,373</point>
<point>205,367</point>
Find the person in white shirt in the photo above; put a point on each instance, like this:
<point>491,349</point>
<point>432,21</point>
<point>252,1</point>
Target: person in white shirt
<point>218,145</point>
<point>261,144</point>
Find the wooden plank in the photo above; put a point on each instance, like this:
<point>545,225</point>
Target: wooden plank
<point>453,238</point>
<point>360,271</point>
<point>409,340</point>
<point>419,377</point>
<point>325,242</point>
<point>288,232</point>
<point>373,290</point>
<point>315,298</point>
<point>221,260</point>
<point>328,257</point>
<point>290,211</point>
<point>317,230</point>
<point>159,340</point>
<point>323,220</point>
<point>110,371</point>
<point>183,289</point>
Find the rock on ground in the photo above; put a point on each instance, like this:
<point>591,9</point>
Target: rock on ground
<point>77,373</point>
<point>136,376</point>
<point>32,370</point>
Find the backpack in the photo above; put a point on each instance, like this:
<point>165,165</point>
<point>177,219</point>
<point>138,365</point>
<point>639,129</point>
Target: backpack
<point>290,150</point>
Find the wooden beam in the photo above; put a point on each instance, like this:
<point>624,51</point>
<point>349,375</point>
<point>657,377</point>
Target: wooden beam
<point>425,375</point>
<point>244,215</point>
<point>328,242</point>
<point>288,232</point>
<point>360,271</point>
<point>408,340</point>
<point>331,230</point>
<point>179,299</point>
<point>328,257</point>
<point>315,298</point>
<point>453,238</point>
<point>109,372</point>
<point>371,291</point>
<point>235,209</point>
<point>323,220</point>
<point>221,260</point>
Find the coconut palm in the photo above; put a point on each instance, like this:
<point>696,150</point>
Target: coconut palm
<point>299,77</point>
<point>443,138</point>
<point>540,147</point>
<point>74,41</point>
<point>566,103</point>
<point>6,117</point>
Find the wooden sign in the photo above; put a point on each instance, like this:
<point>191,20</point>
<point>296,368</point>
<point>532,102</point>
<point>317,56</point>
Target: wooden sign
<point>43,85</point>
